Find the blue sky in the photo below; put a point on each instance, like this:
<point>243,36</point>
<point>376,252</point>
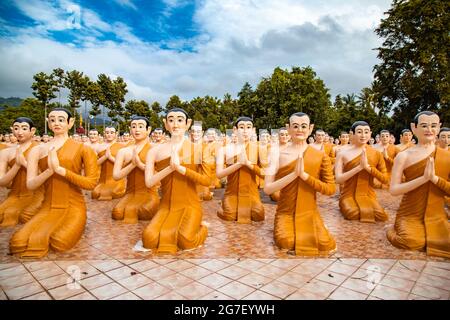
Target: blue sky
<point>189,48</point>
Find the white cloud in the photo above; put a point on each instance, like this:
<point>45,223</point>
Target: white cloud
<point>240,41</point>
<point>126,3</point>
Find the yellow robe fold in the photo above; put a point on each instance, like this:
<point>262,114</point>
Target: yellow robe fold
<point>178,222</point>
<point>208,168</point>
<point>60,222</point>
<point>21,204</point>
<point>421,221</point>
<point>328,148</point>
<point>358,199</point>
<point>139,202</point>
<point>107,187</point>
<point>298,224</point>
<point>241,201</point>
<point>392,152</point>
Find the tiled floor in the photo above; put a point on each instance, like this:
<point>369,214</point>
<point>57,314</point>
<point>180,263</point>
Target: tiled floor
<point>236,262</point>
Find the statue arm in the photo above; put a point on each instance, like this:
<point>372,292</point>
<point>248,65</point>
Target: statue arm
<point>341,176</point>
<point>325,184</point>
<point>397,187</point>
<point>222,172</point>
<point>119,172</point>
<point>6,176</point>
<point>34,178</point>
<point>102,159</point>
<point>444,185</point>
<point>380,171</point>
<point>91,171</point>
<point>152,178</point>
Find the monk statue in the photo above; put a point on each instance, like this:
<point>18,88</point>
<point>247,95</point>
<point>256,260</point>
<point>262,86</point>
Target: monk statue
<point>320,144</point>
<point>94,141</point>
<point>298,172</point>
<point>240,164</point>
<point>21,204</point>
<point>176,164</point>
<point>57,165</point>
<point>283,142</point>
<point>107,187</point>
<point>210,147</point>
<point>389,152</point>
<point>443,141</point>
<point>356,167</point>
<point>421,222</point>
<point>196,136</point>
<point>405,140</point>
<point>158,136</point>
<point>344,139</point>
<point>139,202</point>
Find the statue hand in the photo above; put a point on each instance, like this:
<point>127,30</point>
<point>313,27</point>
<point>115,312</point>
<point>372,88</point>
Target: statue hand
<point>364,161</point>
<point>430,173</point>
<point>385,153</point>
<point>108,153</point>
<point>54,162</point>
<point>20,158</point>
<point>174,159</point>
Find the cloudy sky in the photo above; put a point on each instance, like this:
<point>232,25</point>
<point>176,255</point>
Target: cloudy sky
<point>188,48</point>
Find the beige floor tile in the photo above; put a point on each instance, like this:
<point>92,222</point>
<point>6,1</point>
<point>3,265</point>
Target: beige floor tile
<point>413,265</point>
<point>342,293</point>
<point>260,295</point>
<point>56,281</point>
<point>105,265</point>
<point>11,272</point>
<point>352,261</point>
<point>158,273</point>
<point>271,271</point>
<point>83,296</point>
<point>416,297</point>
<point>194,290</point>
<point>175,281</point>
<point>66,291</point>
<point>26,290</point>
<point>250,264</point>
<point>126,296</point>
<point>308,270</point>
<point>443,273</point>
<point>151,291</point>
<point>341,268</point>
<point>108,291</point>
<point>387,293</point>
<point>95,281</point>
<point>216,295</point>
<point>383,265</point>
<point>179,265</point>
<point>319,287</point>
<point>47,273</point>
<point>359,285</point>
<point>255,280</point>
<point>434,281</point>
<point>3,296</point>
<point>16,281</point>
<point>234,272</point>
<point>215,280</point>
<point>215,265</point>
<point>133,282</point>
<point>331,277</point>
<point>39,265</point>
<point>143,265</point>
<point>236,290</point>
<point>302,294</point>
<point>294,279</point>
<point>430,292</point>
<point>397,283</point>
<point>196,272</point>
<point>278,289</point>
<point>439,264</point>
<point>121,273</point>
<point>8,265</point>
<point>404,273</point>
<point>171,295</point>
<point>39,296</point>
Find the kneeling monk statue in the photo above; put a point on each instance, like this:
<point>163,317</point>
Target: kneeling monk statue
<point>57,164</point>
<point>177,165</point>
<point>298,172</point>
<point>421,222</point>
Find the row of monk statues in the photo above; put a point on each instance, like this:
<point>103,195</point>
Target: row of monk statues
<point>162,178</point>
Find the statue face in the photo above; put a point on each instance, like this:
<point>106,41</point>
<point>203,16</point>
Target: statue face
<point>362,135</point>
<point>139,130</point>
<point>196,134</point>
<point>283,136</point>
<point>176,123</point>
<point>427,128</point>
<point>385,137</point>
<point>407,137</point>
<point>58,122</point>
<point>245,130</point>
<point>299,128</point>
<point>93,136</point>
<point>110,134</point>
<point>319,136</point>
<point>45,138</point>
<point>22,131</point>
<point>158,135</point>
<point>444,138</point>
<point>210,135</point>
<point>344,138</point>
<point>326,139</point>
<point>7,138</point>
<point>392,139</point>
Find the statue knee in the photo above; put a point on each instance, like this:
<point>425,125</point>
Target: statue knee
<point>258,212</point>
<point>349,211</point>
<point>285,241</point>
<point>150,238</point>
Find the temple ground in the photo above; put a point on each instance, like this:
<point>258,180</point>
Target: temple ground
<point>236,262</point>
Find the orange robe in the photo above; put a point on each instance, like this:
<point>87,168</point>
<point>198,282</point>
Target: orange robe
<point>358,199</point>
<point>208,168</point>
<point>107,187</point>
<point>139,201</point>
<point>60,222</point>
<point>421,221</point>
<point>241,201</point>
<point>177,224</point>
<point>3,146</point>
<point>21,204</point>
<point>392,152</point>
<point>329,151</point>
<point>298,224</point>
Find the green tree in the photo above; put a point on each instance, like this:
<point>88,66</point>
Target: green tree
<point>414,73</point>
<point>44,88</point>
